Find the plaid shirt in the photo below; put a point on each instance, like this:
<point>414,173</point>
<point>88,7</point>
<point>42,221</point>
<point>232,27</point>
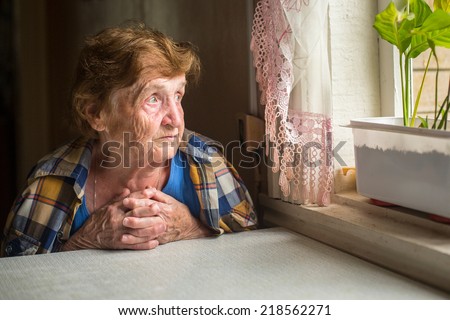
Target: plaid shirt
<point>41,217</point>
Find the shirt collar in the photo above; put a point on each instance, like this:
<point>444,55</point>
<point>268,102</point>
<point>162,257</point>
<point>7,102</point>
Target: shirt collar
<point>199,147</point>
<point>70,161</point>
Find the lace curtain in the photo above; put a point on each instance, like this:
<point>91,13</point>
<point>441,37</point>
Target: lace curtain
<point>290,52</point>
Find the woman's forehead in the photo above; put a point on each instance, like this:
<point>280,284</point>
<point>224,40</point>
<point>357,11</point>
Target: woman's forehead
<point>148,84</point>
<point>167,81</point>
<point>161,82</point>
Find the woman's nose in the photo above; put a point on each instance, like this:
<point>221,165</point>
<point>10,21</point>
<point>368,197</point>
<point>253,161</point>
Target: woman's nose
<point>174,113</point>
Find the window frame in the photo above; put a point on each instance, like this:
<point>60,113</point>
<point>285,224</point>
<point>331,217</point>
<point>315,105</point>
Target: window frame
<point>390,79</point>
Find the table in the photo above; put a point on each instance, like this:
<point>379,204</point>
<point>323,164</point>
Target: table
<point>271,263</point>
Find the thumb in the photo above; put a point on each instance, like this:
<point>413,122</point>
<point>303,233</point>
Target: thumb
<point>161,196</point>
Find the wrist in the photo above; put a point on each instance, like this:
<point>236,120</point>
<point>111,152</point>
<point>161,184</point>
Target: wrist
<point>67,246</point>
<point>197,229</point>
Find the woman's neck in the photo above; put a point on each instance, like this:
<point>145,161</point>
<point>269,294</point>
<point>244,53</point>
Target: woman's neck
<point>107,182</point>
<point>128,170</point>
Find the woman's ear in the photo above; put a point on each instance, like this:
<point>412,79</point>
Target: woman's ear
<point>94,118</point>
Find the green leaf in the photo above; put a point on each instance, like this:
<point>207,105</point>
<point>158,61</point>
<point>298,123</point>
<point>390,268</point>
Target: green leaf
<point>419,43</point>
<point>435,29</point>
<point>399,26</point>
<point>421,11</point>
<point>442,4</point>
<point>394,27</point>
<point>424,122</point>
<point>419,40</point>
<point>441,38</point>
<point>438,20</point>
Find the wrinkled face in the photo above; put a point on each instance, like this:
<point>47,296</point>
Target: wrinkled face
<point>150,119</point>
<point>161,111</point>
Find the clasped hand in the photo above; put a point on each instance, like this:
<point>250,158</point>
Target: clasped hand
<point>141,220</point>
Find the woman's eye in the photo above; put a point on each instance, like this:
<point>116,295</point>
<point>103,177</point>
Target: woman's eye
<point>152,100</point>
<point>178,97</point>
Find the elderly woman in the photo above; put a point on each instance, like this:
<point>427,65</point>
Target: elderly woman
<point>136,178</point>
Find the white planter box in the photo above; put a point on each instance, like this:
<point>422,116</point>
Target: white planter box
<point>404,166</point>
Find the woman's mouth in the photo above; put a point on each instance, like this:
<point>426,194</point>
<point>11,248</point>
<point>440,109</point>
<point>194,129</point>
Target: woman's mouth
<point>170,138</point>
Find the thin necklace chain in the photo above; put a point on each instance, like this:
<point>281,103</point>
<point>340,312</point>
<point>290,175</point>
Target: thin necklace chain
<point>95,183</point>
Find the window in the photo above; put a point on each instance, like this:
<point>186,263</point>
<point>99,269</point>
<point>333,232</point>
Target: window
<point>365,83</point>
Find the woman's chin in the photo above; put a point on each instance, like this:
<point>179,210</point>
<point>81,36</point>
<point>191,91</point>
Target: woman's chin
<point>161,155</point>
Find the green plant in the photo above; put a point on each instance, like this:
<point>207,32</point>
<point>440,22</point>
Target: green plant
<point>413,29</point>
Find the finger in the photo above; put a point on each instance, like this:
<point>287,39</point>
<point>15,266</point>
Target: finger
<point>148,245</point>
<point>153,232</point>
<point>142,194</point>
<point>145,222</point>
<point>153,209</point>
<point>133,203</point>
<point>161,196</point>
<point>145,193</point>
<point>130,240</point>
